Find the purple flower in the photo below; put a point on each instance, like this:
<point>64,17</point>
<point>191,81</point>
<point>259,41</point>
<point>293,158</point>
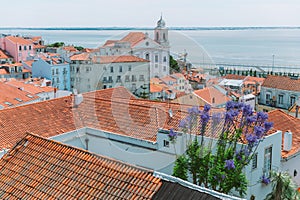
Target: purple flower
<point>247,110</point>
<point>204,118</point>
<point>268,126</point>
<point>182,123</point>
<point>262,116</point>
<point>194,110</point>
<point>229,105</point>
<point>206,108</point>
<point>229,164</point>
<point>265,180</point>
<point>223,176</point>
<point>230,115</point>
<point>259,131</point>
<point>216,117</point>
<point>251,139</point>
<point>172,133</point>
<point>250,119</point>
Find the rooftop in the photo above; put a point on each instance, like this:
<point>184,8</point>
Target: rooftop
<point>282,82</point>
<point>133,38</point>
<point>212,96</point>
<point>3,55</point>
<point>12,96</point>
<point>19,40</point>
<point>285,122</point>
<point>121,59</point>
<point>39,168</point>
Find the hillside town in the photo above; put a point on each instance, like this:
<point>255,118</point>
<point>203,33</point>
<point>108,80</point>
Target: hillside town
<point>107,123</point>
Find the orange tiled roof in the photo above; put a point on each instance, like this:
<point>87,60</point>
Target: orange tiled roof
<point>133,38</point>
<point>156,88</point>
<point>284,122</point>
<point>39,168</point>
<point>19,40</point>
<point>70,48</point>
<point>30,88</point>
<point>210,93</point>
<point>81,56</point>
<point>109,43</point>
<point>108,110</point>
<point>38,46</point>
<point>29,62</point>
<point>120,59</point>
<point>282,82</point>
<point>44,169</point>
<point>178,75</point>
<point>3,55</point>
<point>3,71</point>
<point>11,95</point>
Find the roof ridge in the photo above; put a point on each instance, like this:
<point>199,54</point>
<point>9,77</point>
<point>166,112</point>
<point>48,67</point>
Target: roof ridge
<point>98,156</point>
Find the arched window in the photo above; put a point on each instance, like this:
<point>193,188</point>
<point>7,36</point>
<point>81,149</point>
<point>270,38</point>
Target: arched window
<point>147,56</point>
<point>157,36</point>
<point>164,37</point>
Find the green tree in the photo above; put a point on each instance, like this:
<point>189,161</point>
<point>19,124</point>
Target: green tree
<point>79,48</point>
<point>181,167</point>
<point>174,65</point>
<point>283,187</point>
<point>57,44</point>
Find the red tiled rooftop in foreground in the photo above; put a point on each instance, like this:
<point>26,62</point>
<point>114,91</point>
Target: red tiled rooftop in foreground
<point>39,168</point>
<point>284,122</point>
<point>282,82</point>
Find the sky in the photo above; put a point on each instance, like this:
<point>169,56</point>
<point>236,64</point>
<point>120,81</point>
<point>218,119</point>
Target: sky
<point>145,13</point>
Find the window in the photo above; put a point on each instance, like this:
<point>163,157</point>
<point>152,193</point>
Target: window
<point>254,161</point>
<point>166,143</point>
<point>110,79</point>
<point>280,99</point>
<point>127,78</point>
<point>56,71</point>
<point>77,69</point>
<point>20,48</point>
<point>165,68</point>
<point>157,36</point>
<point>118,78</point>
<point>25,48</point>
<point>112,69</point>
<point>72,79</point>
<point>29,47</point>
<point>129,68</point>
<point>141,78</point>
<point>52,71</point>
<point>147,56</point>
<point>88,69</point>
<point>156,58</point>
<point>104,86</point>
<point>57,80</point>
<point>267,161</point>
<point>133,86</point>
<point>133,78</point>
<point>165,59</point>
<point>164,36</point>
<point>268,98</point>
<point>292,100</point>
<point>120,69</point>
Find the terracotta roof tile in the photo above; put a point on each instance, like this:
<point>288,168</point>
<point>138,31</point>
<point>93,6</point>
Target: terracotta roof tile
<point>282,82</point>
<point>19,40</point>
<point>81,56</point>
<point>70,48</point>
<point>133,38</point>
<point>210,93</point>
<point>110,43</point>
<point>284,122</point>
<point>12,96</point>
<point>3,55</point>
<point>120,59</point>
<point>28,87</point>
<point>50,170</point>
<point>156,88</point>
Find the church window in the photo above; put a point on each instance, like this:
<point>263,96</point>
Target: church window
<point>147,56</point>
<point>157,36</point>
<point>164,36</point>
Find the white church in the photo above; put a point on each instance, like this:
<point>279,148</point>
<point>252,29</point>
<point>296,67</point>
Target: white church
<point>156,50</point>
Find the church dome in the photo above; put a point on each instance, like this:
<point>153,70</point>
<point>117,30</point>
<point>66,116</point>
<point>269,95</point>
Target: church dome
<point>161,23</point>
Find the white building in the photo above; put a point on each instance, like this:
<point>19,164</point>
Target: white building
<point>156,50</point>
<point>90,73</point>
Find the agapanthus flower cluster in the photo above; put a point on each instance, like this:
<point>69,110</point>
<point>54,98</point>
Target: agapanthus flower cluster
<point>265,180</point>
<point>172,135</point>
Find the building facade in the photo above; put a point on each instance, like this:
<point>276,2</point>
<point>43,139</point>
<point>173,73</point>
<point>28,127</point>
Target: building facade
<point>53,69</point>
<point>156,50</point>
<point>90,73</point>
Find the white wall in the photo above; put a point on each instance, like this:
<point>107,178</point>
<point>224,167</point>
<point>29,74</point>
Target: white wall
<point>291,164</point>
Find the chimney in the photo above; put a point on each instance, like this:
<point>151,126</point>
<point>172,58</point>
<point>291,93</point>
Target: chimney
<point>77,98</point>
<point>288,139</point>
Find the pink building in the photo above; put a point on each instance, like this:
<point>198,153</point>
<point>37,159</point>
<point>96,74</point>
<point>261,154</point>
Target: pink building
<point>18,47</point>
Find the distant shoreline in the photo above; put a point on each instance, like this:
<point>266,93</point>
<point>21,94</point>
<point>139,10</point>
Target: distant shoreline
<point>143,28</point>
